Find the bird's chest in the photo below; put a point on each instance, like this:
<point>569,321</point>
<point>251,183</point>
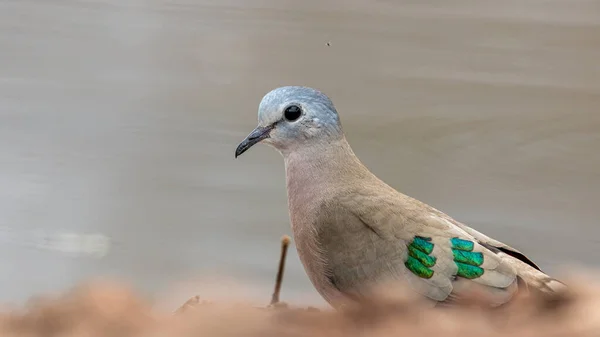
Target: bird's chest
<point>306,240</point>
<point>340,254</point>
<point>314,252</point>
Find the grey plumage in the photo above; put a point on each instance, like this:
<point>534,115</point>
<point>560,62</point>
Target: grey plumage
<point>353,231</point>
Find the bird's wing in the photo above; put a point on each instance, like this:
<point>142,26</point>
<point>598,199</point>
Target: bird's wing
<point>493,243</point>
<point>526,269</point>
<point>437,258</point>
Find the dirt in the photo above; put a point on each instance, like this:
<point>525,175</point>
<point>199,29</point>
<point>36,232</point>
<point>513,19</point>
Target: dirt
<point>113,309</point>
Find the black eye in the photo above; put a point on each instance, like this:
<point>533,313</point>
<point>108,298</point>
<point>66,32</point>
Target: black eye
<point>292,113</point>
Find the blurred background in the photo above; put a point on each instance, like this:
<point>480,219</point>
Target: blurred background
<point>119,120</point>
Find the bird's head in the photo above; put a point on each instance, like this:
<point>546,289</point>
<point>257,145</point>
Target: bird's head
<point>294,117</point>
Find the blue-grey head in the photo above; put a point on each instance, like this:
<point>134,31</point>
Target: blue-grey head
<point>294,117</point>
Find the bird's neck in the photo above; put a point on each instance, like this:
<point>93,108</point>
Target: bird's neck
<point>313,171</point>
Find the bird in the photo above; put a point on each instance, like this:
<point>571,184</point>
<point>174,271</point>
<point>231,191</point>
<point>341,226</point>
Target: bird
<point>353,231</point>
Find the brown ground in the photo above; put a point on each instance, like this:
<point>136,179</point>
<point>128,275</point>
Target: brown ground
<point>105,309</point>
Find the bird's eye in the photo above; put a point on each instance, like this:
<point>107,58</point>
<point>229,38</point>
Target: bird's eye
<point>292,113</point>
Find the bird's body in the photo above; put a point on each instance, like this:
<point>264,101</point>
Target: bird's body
<point>353,231</point>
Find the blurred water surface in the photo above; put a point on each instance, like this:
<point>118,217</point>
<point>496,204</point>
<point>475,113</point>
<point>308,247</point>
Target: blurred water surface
<point>119,120</point>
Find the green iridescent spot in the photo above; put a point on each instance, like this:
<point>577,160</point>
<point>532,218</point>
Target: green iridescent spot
<point>461,244</point>
<point>426,260</point>
<point>472,258</point>
<point>468,271</point>
<point>422,244</point>
<point>418,268</point>
<point>419,261</point>
<point>466,260</point>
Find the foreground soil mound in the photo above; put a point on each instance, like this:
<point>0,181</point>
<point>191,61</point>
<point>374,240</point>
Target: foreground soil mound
<point>115,310</point>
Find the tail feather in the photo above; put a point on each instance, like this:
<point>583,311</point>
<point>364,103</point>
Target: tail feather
<point>534,279</point>
<point>529,273</point>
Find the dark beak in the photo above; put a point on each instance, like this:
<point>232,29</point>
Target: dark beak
<point>254,137</point>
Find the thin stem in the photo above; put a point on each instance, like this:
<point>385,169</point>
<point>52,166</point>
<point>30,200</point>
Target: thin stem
<point>285,242</point>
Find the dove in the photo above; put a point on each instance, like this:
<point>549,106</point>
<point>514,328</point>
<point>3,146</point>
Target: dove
<point>353,231</point>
